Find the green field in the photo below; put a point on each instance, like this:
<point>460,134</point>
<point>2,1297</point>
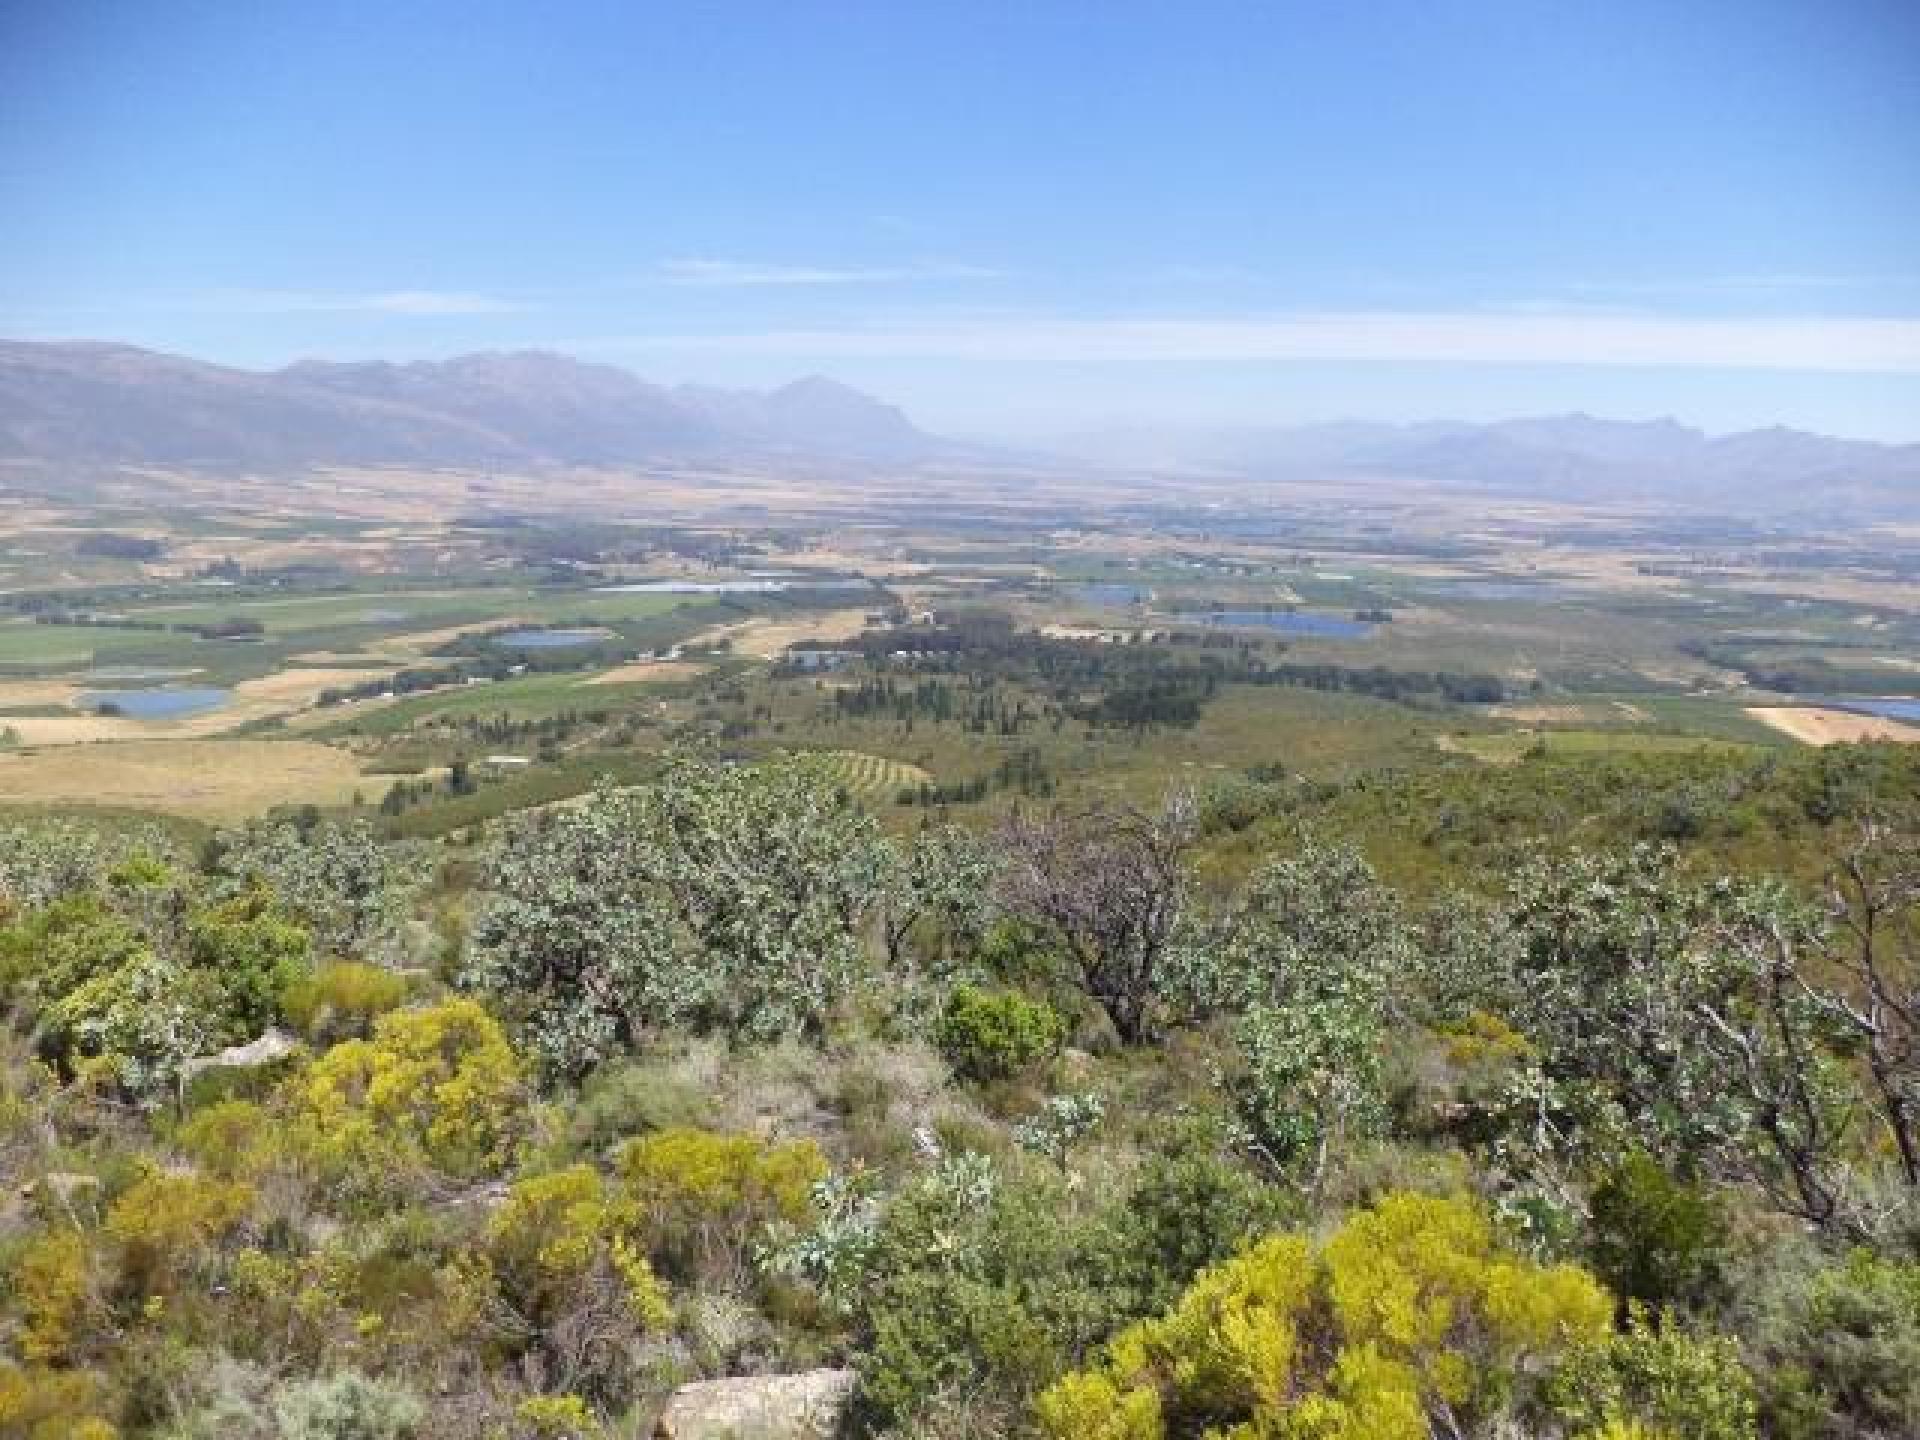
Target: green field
<point>875,779</point>
<point>1504,749</point>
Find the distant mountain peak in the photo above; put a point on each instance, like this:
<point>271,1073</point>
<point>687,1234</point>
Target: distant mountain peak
<point>1574,455</point>
<point>89,401</point>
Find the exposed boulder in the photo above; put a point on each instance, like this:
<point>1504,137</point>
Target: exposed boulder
<point>275,1045</point>
<point>807,1406</point>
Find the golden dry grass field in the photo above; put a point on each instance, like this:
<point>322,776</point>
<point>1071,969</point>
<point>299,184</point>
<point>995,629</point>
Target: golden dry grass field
<point>214,780</point>
<point>1819,725</point>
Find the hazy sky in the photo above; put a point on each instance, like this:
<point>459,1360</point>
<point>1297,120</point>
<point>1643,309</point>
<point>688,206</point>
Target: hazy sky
<point>1012,216</point>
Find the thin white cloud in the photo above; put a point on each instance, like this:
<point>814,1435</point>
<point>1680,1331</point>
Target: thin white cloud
<point>1753,285</point>
<point>727,274</point>
<point>437,302</point>
<point>380,302</point>
<point>1840,344</point>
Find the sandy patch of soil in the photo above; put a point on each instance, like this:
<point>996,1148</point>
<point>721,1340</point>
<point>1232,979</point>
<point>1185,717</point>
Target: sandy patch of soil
<point>643,670</point>
<point>17,694</point>
<point>1544,714</point>
<point>1816,725</point>
<point>300,688</point>
<point>769,639</point>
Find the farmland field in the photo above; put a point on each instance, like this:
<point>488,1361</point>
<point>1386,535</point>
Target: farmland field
<point>214,780</point>
<point>1377,633</point>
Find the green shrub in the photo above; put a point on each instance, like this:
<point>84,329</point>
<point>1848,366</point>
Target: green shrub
<point>231,1138</point>
<point>1654,1238</point>
<point>1674,1382</point>
<point>939,1337</point>
<point>1187,1212</point>
<point>990,1035</point>
<point>346,1406</point>
<point>342,1000</point>
<point>1841,1352</point>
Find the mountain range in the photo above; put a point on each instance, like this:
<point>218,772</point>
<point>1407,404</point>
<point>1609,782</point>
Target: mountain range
<point>1577,457</point>
<point>95,403</point>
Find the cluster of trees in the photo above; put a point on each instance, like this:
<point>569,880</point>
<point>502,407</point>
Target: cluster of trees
<point>495,664</point>
<point>1385,684</point>
<point>1067,1129</point>
<point>1025,772</point>
<point>114,546</point>
<point>979,708</point>
<point>239,627</point>
<point>1156,682</point>
<point>1801,674</point>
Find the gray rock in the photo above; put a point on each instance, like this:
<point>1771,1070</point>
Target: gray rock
<point>808,1406</point>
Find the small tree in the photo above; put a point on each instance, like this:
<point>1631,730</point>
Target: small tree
<point>734,895</point>
<point>1771,1046</point>
<point>1874,902</point>
<point>579,936</point>
<point>1110,883</point>
<point>1305,958</point>
<point>773,870</point>
<point>943,875</point>
<point>341,881</point>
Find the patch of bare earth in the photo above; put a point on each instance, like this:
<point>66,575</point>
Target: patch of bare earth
<point>1817,725</point>
<point>645,670</point>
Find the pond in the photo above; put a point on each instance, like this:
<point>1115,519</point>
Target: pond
<point>1887,707</point>
<point>1287,622</point>
<point>159,704</point>
<point>547,639</point>
<point>1106,593</point>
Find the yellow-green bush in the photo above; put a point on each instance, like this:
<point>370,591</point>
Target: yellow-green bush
<point>1410,1306</point>
<point>705,1195</point>
<point>342,1000</point>
<point>52,1289</point>
<point>40,1404</point>
<point>168,1227</point>
<point>557,1231</point>
<point>435,1088</point>
<point>558,1417</point>
<point>233,1139</point>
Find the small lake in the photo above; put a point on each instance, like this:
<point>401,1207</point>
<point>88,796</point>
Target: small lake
<point>1892,707</point>
<point>548,639</point>
<point>1105,593</point>
<point>1287,622</point>
<point>161,704</point>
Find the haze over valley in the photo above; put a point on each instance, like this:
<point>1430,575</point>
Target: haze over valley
<point>909,722</point>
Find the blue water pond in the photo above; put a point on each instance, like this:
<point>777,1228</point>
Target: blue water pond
<point>159,704</point>
<point>1104,593</point>
<point>1888,707</point>
<point>548,639</point>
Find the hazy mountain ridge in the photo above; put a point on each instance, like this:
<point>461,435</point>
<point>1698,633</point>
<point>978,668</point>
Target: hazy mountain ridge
<point>91,402</point>
<point>1574,456</point>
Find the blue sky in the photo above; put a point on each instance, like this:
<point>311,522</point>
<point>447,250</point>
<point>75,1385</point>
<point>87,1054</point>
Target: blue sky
<point>1010,217</point>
